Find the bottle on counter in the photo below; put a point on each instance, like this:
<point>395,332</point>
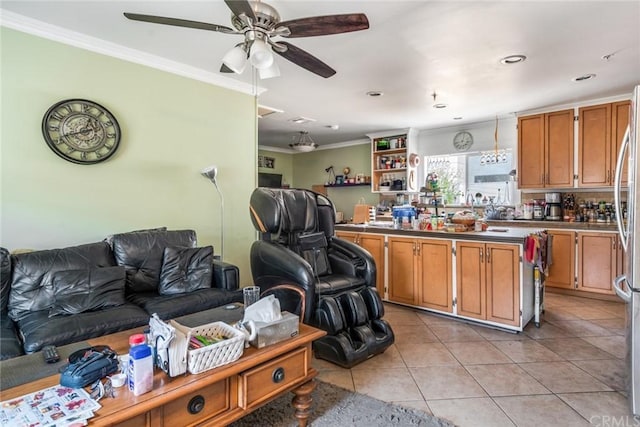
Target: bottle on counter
<point>140,372</point>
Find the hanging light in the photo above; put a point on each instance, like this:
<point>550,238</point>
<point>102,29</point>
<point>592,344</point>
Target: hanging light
<point>236,58</point>
<point>304,143</point>
<point>272,71</point>
<point>260,54</point>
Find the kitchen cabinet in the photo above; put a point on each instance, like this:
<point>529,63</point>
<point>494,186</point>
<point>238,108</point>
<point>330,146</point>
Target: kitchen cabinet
<point>545,150</point>
<point>599,261</point>
<point>561,272</point>
<point>488,281</point>
<point>601,128</point>
<point>374,244</point>
<point>395,162</point>
<point>420,272</point>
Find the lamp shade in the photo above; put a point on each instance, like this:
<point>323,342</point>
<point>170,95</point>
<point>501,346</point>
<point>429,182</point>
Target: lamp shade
<point>236,59</point>
<point>260,55</point>
<point>272,71</point>
<point>210,172</point>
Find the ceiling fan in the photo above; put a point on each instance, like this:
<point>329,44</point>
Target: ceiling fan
<point>260,23</point>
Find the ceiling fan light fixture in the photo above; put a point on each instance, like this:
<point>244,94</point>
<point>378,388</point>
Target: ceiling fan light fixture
<point>260,55</point>
<point>269,72</point>
<point>236,59</point>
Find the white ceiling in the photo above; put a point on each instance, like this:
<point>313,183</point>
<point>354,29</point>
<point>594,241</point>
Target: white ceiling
<point>411,49</point>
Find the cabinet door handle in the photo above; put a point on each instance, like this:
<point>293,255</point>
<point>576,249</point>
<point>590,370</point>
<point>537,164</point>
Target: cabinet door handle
<point>488,256</point>
<point>481,256</point>
<point>609,176</point>
<point>613,243</point>
<point>414,248</point>
<point>418,249</point>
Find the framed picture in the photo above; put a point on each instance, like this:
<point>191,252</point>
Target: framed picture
<point>266,162</point>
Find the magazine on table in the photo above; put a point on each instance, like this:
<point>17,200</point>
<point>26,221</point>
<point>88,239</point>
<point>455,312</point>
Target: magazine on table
<point>53,406</point>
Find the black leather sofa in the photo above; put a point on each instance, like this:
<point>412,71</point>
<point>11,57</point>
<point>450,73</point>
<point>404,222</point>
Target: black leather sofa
<point>60,296</point>
<point>298,247</point>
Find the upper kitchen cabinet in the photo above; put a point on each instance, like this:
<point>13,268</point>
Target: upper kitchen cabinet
<point>601,128</point>
<point>395,162</point>
<point>545,150</point>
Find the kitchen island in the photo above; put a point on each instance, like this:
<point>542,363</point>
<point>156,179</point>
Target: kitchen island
<point>477,276</point>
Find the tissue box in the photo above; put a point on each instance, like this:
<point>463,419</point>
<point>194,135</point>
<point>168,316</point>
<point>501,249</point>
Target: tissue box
<point>276,331</point>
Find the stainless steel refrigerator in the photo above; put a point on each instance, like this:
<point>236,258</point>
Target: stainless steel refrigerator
<point>627,286</point>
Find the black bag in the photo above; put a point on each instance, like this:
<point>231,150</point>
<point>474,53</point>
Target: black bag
<point>89,365</point>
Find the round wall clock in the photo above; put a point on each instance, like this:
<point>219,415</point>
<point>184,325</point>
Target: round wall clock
<point>462,141</point>
<point>81,131</point>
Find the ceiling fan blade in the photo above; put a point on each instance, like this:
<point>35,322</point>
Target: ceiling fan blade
<point>179,22</point>
<point>305,60</point>
<point>324,25</point>
<point>241,6</point>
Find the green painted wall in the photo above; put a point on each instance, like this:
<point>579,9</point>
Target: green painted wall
<point>308,170</point>
<point>283,165</point>
<point>172,127</point>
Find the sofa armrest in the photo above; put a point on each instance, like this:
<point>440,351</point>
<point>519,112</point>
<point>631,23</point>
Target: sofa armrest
<point>225,276</point>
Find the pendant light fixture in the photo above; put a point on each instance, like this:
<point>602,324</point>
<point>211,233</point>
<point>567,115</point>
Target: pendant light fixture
<point>304,143</point>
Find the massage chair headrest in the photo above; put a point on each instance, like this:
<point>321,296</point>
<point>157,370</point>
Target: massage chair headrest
<point>285,210</point>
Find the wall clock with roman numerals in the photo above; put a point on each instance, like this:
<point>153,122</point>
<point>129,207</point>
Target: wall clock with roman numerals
<point>81,131</point>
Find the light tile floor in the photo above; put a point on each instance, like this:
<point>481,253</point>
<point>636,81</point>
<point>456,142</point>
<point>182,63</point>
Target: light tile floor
<point>569,372</point>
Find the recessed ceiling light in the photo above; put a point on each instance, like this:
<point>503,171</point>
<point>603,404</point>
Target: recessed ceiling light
<point>439,106</point>
<point>374,93</point>
<point>333,127</point>
<point>512,59</point>
<point>457,118</point>
<point>584,77</point>
<point>301,120</point>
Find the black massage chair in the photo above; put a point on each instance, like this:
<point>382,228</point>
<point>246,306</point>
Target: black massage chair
<point>336,279</point>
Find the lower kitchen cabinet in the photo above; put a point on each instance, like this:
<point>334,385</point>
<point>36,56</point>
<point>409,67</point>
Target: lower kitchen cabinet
<point>374,244</point>
<point>599,261</point>
<point>488,281</point>
<point>561,272</point>
<point>420,272</point>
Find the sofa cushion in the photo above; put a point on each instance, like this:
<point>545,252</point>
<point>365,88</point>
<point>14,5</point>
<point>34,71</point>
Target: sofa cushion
<point>77,291</point>
<point>31,287</point>
<point>185,270</point>
<point>38,329</point>
<point>141,253</point>
<point>5,279</point>
<point>10,345</point>
<point>170,306</point>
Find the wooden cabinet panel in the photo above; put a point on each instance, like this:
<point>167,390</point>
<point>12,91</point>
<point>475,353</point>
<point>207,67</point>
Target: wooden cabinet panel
<point>620,116</point>
<point>563,253</point>
<point>545,150</point>
<point>434,274</point>
<point>471,280</point>
<point>559,149</point>
<point>531,151</point>
<point>503,290</point>
<point>488,281</point>
<point>374,244</point>
<point>594,146</point>
<point>401,270</point>
<point>598,261</point>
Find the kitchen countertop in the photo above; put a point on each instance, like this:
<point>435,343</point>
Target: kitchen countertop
<point>495,233</point>
<point>554,225</point>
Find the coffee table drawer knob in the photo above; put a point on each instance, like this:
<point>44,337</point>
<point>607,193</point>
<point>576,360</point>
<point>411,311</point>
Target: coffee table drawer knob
<point>196,404</point>
<point>278,375</point>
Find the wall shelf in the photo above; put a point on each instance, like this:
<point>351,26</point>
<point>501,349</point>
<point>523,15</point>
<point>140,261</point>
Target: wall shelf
<point>347,185</point>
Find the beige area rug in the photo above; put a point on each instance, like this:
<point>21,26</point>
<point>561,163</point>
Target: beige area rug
<point>335,406</point>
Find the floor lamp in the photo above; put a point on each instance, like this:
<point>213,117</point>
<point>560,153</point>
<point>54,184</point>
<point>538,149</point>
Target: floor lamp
<point>210,173</point>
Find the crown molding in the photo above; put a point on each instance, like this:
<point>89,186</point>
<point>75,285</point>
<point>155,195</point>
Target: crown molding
<point>52,32</point>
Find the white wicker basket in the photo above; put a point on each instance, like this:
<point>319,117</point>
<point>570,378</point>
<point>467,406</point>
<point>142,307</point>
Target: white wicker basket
<point>214,355</point>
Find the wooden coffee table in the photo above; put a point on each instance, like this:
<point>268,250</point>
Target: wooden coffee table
<point>215,397</point>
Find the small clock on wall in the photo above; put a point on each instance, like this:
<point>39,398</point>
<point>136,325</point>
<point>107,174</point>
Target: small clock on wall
<point>462,141</point>
<point>81,131</point>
